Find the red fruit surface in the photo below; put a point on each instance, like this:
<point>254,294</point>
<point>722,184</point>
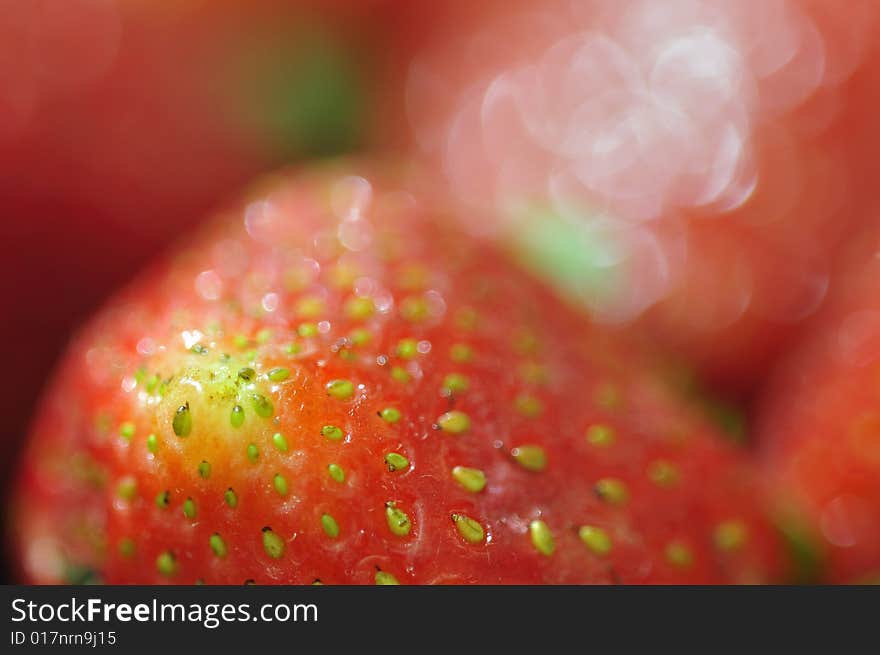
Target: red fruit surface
<point>340,318</point>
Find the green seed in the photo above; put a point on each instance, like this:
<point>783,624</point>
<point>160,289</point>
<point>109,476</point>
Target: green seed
<point>127,488</point>
<point>396,462</point>
<point>189,509</point>
<point>126,430</point>
<point>166,564</point>
<point>461,353</point>
<point>240,341</point>
<point>470,530</point>
<point>264,335</point>
<point>601,436</point>
<point>247,374</point>
<point>292,348</point>
<point>262,406</point>
<point>336,472</point>
<point>182,422</point>
<point>398,521</point>
<point>596,539</point>
<point>280,442</point>
<point>542,538</point>
<point>455,383</point>
<point>730,535</point>
<point>199,349</point>
<point>331,527</point>
<point>390,415</point>
<point>163,499</point>
<point>152,443</point>
<point>679,555</point>
<point>385,578</point>
<point>400,375</point>
<point>454,422</point>
<point>407,348</point>
<point>272,544</point>
<point>340,389</point>
<point>205,469</point>
<point>332,432</point>
<point>253,453</point>
<point>218,545</point>
<point>236,418</point>
<point>474,480</point>
<point>279,374</point>
<point>530,457</point>
<point>231,498</point>
<point>612,490</point>
<point>663,473</point>
<point>280,484</point>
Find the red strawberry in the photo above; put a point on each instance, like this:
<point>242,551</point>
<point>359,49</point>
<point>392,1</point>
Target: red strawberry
<point>334,385</point>
<point>820,424</point>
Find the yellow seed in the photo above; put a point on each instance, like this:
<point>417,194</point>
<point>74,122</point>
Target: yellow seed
<point>529,406</point>
<point>731,535</point>
<point>530,457</point>
<point>385,578</point>
<point>596,539</point>
<point>474,480</point>
<point>679,555</point>
<point>601,436</point>
<point>454,422</point>
<point>664,473</point>
<point>359,308</point>
<point>612,490</point>
<point>542,538</point>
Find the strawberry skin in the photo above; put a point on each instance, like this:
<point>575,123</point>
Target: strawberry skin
<point>332,385</point>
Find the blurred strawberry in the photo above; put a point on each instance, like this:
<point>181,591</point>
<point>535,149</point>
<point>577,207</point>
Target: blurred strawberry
<point>691,170</point>
<point>819,426</point>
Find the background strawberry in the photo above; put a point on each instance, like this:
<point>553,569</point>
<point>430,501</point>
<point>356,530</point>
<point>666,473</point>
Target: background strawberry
<point>337,383</point>
<point>819,425</point>
<point>693,171</point>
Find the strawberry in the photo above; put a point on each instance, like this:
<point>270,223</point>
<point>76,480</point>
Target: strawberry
<point>335,384</point>
<point>819,423</point>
